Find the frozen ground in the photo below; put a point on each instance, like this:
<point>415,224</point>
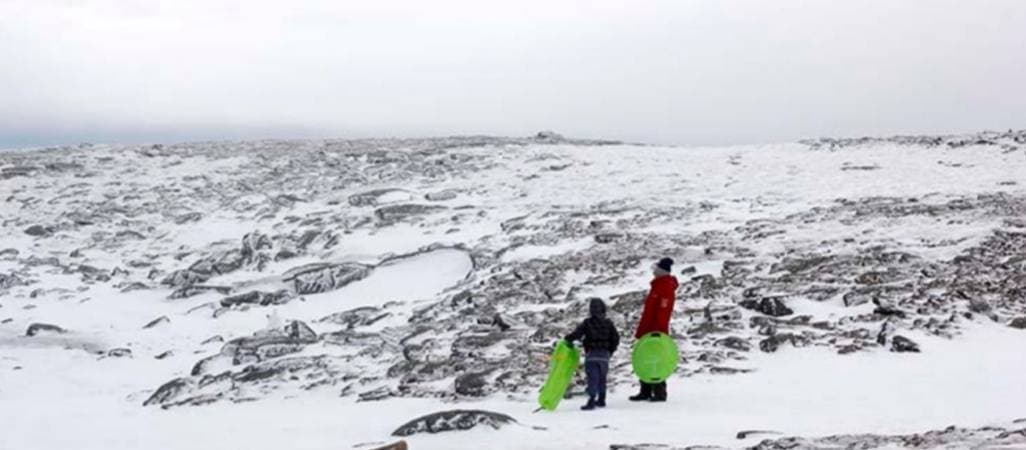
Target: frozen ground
<point>320,294</point>
<point>970,382</point>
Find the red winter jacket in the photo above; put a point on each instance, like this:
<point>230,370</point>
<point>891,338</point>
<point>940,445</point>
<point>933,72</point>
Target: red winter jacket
<point>658,306</point>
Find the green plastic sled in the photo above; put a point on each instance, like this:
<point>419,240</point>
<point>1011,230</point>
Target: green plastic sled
<point>655,357</point>
<point>565,359</point>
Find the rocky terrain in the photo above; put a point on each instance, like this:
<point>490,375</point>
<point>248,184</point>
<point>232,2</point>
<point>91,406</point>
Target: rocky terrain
<point>1009,436</point>
<point>446,268</point>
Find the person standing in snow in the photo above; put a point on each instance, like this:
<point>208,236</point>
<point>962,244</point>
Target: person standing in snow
<point>600,340</point>
<point>656,317</point>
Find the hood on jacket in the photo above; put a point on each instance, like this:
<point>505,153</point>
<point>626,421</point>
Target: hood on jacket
<point>597,308</point>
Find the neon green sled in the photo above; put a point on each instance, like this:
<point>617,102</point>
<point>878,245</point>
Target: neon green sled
<point>655,357</point>
<point>565,359</point>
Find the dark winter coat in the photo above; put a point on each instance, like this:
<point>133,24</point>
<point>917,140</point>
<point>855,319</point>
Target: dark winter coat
<point>597,332</point>
<point>658,306</point>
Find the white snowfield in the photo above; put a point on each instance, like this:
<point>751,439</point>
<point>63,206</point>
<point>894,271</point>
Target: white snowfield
<point>67,391</point>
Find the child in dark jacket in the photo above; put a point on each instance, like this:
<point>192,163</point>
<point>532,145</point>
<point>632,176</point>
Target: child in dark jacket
<point>600,340</point>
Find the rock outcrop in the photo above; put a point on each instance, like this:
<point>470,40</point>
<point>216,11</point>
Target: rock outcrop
<point>455,420</point>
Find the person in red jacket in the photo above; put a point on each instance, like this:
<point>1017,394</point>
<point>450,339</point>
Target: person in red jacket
<point>656,317</point>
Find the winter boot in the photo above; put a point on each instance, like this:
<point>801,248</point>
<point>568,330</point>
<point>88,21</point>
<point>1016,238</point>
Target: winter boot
<point>601,402</point>
<point>590,405</point>
<point>645,394</point>
<point>659,392</point>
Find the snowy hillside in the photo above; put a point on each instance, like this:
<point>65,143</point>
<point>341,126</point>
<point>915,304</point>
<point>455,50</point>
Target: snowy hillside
<point>322,294</point>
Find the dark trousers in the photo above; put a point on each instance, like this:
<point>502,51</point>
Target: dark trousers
<point>596,366</point>
<point>653,390</point>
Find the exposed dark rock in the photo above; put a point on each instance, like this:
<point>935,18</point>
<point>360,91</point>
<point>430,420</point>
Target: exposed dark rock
<point>396,213</point>
<point>318,278</point>
<point>288,200</point>
<point>608,238</point>
<point>401,445</point>
<point>277,368</point>
<point>1018,322</point>
<point>18,171</point>
<point>770,306</point>
<point>197,289</point>
<point>647,446</point>
<point>362,316</point>
<point>375,395</point>
<point>246,350</point>
<point>848,349</point>
<point>252,252</point>
<point>133,286</point>
<point>188,217</point>
<point>734,343</point>
<point>212,340</point>
<point>980,307</point>
<point>129,234</point>
<point>799,265</point>
<point>902,344</point>
<point>258,298</point>
<point>184,278</point>
<point>256,349</point>
<point>858,297</point>
<point>370,198</point>
<point>501,322</point>
<point>164,355</point>
<point>462,298</point>
<point>300,331</point>
<point>62,166</point>
<point>10,280</point>
<point>212,364</point>
<point>951,437</point>
<point>454,420</point>
<point>472,344</point>
<point>772,343</point>
<point>158,321</point>
<point>722,370</point>
<point>889,311</point>
<point>471,384</point>
<point>868,167</point>
<point>119,353</point>
<point>39,231</point>
<point>886,330</point>
<point>284,254</point>
<point>549,136</point>
<point>43,328</point>
<point>169,391</point>
<point>228,384</point>
<point>441,196</point>
<point>749,433</point>
<point>90,273</point>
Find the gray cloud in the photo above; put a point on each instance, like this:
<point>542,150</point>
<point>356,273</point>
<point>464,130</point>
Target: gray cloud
<point>695,72</point>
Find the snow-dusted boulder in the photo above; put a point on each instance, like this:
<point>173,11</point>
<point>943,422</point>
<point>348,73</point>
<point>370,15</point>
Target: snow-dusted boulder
<point>455,420</point>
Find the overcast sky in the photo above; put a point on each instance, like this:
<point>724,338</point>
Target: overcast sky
<point>675,71</point>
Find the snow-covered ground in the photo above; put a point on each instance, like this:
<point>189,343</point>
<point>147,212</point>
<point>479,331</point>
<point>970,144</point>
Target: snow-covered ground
<point>974,381</point>
<point>319,294</point>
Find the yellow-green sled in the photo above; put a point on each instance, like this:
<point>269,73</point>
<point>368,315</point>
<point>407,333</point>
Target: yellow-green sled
<point>655,357</point>
<point>564,362</point>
